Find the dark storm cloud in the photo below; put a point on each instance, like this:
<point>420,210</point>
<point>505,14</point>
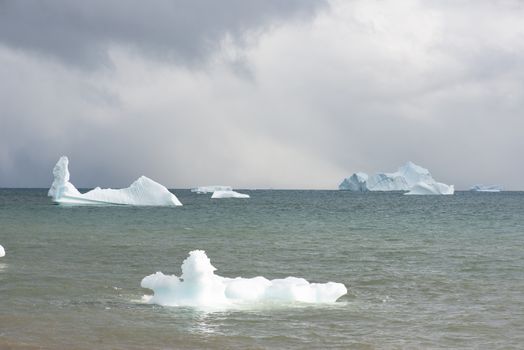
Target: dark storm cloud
<point>80,32</point>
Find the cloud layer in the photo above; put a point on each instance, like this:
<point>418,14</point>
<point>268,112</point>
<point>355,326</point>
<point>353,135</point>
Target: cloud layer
<point>261,94</point>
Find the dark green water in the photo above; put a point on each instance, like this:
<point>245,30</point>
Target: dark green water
<point>422,272</point>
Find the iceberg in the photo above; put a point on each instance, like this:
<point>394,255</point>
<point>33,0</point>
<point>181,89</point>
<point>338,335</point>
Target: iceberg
<point>143,191</point>
<point>424,188</point>
<point>356,183</point>
<point>486,188</point>
<point>404,179</point>
<point>211,189</point>
<point>228,194</point>
<point>2,251</point>
<point>200,287</point>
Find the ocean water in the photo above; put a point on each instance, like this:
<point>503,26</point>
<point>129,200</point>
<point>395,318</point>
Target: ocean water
<point>422,272</point>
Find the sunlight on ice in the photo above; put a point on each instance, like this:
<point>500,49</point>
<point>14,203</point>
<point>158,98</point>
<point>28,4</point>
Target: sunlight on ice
<point>143,191</point>
<point>199,286</point>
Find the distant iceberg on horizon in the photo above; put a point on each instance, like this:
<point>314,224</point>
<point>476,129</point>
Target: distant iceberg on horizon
<point>142,192</point>
<point>211,189</point>
<point>486,188</point>
<point>409,177</point>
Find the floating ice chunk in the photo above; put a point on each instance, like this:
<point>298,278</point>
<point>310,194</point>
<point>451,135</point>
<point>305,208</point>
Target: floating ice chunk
<point>228,194</point>
<point>403,179</point>
<point>199,286</point>
<point>486,188</point>
<point>2,251</point>
<point>211,189</point>
<point>143,191</point>
<point>423,188</point>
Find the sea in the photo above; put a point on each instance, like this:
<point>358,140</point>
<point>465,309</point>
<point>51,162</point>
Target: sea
<point>422,272</point>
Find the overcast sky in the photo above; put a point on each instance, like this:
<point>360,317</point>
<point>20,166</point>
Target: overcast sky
<point>260,93</point>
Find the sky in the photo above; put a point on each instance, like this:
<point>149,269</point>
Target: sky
<point>291,94</point>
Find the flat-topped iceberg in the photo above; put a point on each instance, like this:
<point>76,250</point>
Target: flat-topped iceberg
<point>486,188</point>
<point>143,191</point>
<point>404,179</point>
<point>200,287</point>
<point>228,194</point>
<point>211,189</point>
<point>2,251</point>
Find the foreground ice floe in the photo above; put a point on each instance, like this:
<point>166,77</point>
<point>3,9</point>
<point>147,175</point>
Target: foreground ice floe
<point>486,188</point>
<point>405,178</point>
<point>211,189</point>
<point>199,286</point>
<point>143,191</point>
<point>228,194</point>
<point>2,251</point>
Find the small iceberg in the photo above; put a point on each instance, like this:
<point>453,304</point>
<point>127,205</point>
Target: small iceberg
<point>404,179</point>
<point>199,286</point>
<point>434,188</point>
<point>211,189</point>
<point>143,191</point>
<point>486,188</point>
<point>2,251</point>
<point>228,194</point>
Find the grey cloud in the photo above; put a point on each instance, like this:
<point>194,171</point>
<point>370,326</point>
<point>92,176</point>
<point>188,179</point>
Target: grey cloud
<point>364,85</point>
<point>80,32</point>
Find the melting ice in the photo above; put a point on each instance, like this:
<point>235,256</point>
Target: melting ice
<point>199,286</point>
<point>143,191</point>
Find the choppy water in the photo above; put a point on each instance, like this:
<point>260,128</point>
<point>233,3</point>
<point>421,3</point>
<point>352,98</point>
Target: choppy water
<point>422,272</point>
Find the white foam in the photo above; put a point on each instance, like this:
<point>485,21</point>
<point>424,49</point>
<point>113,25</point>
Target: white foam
<point>199,286</point>
<point>228,194</point>
<point>143,191</point>
<point>211,189</point>
<point>2,251</point>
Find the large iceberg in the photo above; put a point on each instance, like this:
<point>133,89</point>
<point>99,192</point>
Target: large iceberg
<point>404,179</point>
<point>228,194</point>
<point>211,189</point>
<point>431,188</point>
<point>200,287</point>
<point>486,188</point>
<point>143,191</point>
<point>2,251</point>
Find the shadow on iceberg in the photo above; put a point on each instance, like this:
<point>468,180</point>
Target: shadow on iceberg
<point>200,287</point>
<point>143,191</point>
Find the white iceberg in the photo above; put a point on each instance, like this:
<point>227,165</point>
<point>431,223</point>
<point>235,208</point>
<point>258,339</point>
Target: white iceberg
<point>228,194</point>
<point>2,251</point>
<point>424,188</point>
<point>486,188</point>
<point>143,191</point>
<point>404,179</point>
<point>211,189</point>
<point>199,286</point>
